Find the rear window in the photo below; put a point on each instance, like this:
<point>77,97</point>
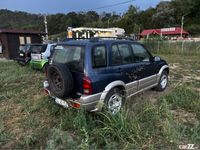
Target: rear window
<point>38,48</point>
<point>71,55</point>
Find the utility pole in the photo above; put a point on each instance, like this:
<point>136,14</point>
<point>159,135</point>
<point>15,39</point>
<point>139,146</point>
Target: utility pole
<point>46,28</point>
<point>182,23</point>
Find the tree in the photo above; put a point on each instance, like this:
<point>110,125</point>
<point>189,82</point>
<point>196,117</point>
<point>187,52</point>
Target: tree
<point>129,20</point>
<point>163,17</point>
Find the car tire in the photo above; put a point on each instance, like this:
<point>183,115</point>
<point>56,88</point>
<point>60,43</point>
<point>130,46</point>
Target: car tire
<point>114,101</point>
<point>163,82</point>
<point>60,80</point>
<point>45,67</point>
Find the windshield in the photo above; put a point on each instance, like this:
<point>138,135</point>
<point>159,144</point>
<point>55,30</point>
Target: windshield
<point>71,55</point>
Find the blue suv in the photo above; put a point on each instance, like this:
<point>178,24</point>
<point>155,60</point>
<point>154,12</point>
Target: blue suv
<point>100,74</point>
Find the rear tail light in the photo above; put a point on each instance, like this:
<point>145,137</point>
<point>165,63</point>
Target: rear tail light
<point>41,56</point>
<point>87,86</point>
<point>75,105</point>
<point>46,91</point>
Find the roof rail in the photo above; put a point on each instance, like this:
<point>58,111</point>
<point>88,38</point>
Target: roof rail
<point>96,39</point>
<point>69,39</point>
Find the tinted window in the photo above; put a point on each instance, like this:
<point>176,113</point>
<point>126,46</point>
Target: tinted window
<point>65,54</point>
<point>140,53</point>
<point>38,48</point>
<point>70,55</point>
<point>121,54</point>
<point>99,56</point>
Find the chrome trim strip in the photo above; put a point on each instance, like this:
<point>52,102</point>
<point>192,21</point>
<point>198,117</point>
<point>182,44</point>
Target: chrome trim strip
<point>147,81</point>
<point>144,89</point>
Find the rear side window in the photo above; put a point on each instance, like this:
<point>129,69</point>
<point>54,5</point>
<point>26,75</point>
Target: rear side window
<point>99,56</point>
<point>140,53</point>
<point>121,54</point>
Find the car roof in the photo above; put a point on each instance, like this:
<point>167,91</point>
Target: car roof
<point>83,42</point>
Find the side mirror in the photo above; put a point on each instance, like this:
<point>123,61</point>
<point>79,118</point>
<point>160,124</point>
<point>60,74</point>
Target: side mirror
<point>156,58</point>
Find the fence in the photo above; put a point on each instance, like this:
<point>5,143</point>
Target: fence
<point>174,47</point>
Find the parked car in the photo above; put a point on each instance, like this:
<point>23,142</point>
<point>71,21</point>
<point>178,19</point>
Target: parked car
<point>25,53</point>
<point>39,57</point>
<point>101,74</point>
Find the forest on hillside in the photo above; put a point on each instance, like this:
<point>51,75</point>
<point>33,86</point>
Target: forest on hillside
<point>165,14</point>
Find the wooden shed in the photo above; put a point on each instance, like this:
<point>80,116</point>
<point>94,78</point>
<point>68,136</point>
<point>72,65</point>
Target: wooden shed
<point>11,39</point>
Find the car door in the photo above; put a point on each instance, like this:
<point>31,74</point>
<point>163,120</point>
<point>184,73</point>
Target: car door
<point>146,69</point>
<point>122,66</point>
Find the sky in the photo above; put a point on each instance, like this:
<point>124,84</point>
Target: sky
<point>65,6</point>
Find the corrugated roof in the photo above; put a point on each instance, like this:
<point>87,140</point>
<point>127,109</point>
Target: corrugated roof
<point>21,31</point>
<point>165,31</point>
<point>150,31</point>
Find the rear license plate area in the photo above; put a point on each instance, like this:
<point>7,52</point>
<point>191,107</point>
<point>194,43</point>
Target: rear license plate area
<point>61,102</point>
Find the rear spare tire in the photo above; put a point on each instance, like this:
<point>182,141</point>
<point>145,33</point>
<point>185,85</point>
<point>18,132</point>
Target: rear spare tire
<point>60,80</point>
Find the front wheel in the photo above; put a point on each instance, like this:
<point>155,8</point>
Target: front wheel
<point>114,101</point>
<point>163,82</point>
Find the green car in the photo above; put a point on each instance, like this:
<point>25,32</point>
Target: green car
<point>40,55</point>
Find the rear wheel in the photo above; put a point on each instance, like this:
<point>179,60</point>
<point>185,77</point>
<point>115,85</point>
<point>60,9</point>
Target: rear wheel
<point>114,101</point>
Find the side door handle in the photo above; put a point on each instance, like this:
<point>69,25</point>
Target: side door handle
<point>119,70</point>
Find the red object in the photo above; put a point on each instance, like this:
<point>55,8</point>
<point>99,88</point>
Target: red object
<point>46,91</point>
<point>87,86</point>
<point>150,31</point>
<point>164,31</point>
<point>75,105</point>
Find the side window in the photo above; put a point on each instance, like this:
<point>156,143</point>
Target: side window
<point>99,56</point>
<point>28,40</point>
<point>140,53</point>
<point>52,48</point>
<point>121,54</point>
<point>77,54</point>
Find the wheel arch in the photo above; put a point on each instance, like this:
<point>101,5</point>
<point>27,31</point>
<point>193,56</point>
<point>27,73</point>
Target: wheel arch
<point>165,67</point>
<point>116,84</point>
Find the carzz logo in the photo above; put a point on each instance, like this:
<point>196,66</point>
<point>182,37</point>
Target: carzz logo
<point>187,146</point>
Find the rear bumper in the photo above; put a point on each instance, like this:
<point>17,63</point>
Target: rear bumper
<point>87,102</point>
<point>38,64</point>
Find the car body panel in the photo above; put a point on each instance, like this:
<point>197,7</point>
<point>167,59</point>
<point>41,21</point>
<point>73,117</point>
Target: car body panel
<point>38,64</point>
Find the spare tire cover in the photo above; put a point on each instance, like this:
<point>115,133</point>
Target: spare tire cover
<point>60,80</point>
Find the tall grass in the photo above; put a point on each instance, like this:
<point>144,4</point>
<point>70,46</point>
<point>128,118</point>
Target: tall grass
<point>146,126</point>
<point>29,120</point>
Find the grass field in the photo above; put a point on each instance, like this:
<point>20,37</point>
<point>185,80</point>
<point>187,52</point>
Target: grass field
<point>150,120</point>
